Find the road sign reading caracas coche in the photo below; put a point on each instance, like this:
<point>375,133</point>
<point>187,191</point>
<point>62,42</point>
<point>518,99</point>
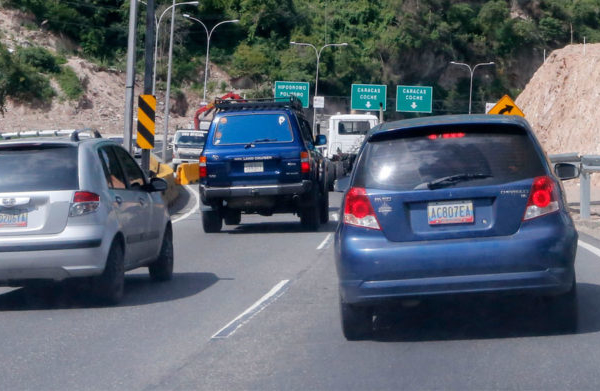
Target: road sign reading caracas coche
<point>414,99</point>
<point>368,97</point>
<point>283,89</point>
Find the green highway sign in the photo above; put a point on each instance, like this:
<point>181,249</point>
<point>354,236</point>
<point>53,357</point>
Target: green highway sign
<point>368,97</point>
<point>414,99</point>
<point>283,89</point>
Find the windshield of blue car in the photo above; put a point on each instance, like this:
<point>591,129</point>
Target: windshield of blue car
<point>490,157</point>
<point>253,128</point>
<point>38,168</point>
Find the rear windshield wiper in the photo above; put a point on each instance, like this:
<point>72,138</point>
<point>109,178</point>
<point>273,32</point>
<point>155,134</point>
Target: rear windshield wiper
<point>260,140</point>
<point>452,179</point>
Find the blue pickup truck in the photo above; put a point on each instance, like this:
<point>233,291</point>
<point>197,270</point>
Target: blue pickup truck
<point>260,156</point>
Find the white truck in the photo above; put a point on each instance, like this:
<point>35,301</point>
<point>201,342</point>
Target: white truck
<point>346,134</point>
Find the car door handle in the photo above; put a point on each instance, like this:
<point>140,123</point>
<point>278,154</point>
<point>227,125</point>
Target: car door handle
<point>118,200</point>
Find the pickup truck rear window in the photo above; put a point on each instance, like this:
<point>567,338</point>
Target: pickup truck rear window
<point>38,168</point>
<point>407,163</point>
<point>253,128</point>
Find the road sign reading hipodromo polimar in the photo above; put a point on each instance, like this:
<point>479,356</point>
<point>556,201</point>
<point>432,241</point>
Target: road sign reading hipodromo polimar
<point>414,99</point>
<point>368,97</point>
<point>283,89</point>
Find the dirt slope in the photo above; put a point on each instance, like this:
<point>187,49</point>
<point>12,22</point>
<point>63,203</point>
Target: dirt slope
<point>561,101</point>
<point>101,107</point>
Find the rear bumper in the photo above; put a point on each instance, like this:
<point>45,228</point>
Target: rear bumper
<point>77,252</point>
<point>208,192</point>
<point>372,269</point>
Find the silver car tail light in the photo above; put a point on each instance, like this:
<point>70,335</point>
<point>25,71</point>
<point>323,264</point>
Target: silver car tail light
<point>84,202</point>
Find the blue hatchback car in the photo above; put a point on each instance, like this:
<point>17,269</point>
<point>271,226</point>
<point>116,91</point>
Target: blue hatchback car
<point>452,205</point>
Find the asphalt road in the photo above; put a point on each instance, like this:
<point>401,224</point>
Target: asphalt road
<point>279,283</point>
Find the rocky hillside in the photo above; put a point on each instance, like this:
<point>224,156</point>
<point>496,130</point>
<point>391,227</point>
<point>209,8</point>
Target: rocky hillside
<point>561,100</point>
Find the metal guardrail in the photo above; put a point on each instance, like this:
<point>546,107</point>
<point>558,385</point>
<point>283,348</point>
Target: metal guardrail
<point>588,164</point>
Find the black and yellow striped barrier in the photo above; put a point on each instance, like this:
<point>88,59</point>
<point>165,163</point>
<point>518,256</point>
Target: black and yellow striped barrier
<point>146,125</point>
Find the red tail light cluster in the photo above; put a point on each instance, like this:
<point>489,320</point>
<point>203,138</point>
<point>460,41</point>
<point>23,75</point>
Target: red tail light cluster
<point>202,167</point>
<point>543,198</point>
<point>358,210</point>
<point>84,202</point>
<point>304,162</point>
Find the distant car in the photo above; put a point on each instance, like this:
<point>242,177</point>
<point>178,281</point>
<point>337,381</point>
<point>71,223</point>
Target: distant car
<point>79,208</point>
<point>137,151</point>
<point>187,146</point>
<point>453,205</point>
<point>260,157</point>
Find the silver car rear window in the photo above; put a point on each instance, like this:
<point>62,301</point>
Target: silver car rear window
<point>38,168</point>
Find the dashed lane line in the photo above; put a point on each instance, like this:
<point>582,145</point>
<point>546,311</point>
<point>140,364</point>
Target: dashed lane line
<point>325,242</point>
<point>594,250</point>
<point>252,311</point>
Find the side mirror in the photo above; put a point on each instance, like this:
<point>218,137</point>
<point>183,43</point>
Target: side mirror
<point>321,139</point>
<point>342,184</point>
<point>565,171</point>
<point>157,184</point>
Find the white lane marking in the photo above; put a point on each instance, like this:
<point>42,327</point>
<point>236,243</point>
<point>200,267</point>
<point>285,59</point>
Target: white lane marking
<point>334,216</point>
<point>254,309</point>
<point>594,250</point>
<point>193,210</point>
<point>324,242</point>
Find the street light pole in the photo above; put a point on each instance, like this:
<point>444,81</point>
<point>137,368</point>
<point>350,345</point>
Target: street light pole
<point>318,54</point>
<point>156,41</point>
<point>208,35</point>
<point>471,71</point>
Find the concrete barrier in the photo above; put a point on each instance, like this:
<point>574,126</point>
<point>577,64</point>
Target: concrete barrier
<point>165,172</point>
<point>188,173</point>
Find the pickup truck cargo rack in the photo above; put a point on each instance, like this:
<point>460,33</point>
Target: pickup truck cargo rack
<point>291,102</point>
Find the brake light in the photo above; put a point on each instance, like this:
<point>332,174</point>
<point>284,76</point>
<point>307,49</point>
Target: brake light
<point>446,135</point>
<point>84,202</point>
<point>358,210</point>
<point>543,198</point>
<point>304,162</point>
<point>202,167</point>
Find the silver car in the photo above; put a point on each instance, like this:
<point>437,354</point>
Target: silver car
<point>72,207</point>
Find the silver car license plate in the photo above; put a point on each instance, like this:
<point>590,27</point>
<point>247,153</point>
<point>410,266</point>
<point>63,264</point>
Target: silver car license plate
<point>13,218</point>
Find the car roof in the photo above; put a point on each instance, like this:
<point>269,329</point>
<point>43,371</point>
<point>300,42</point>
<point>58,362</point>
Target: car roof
<point>460,119</point>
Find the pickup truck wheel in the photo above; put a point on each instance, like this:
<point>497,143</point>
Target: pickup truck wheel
<point>162,268</point>
<point>109,286</point>
<point>233,217</point>
<point>310,214</point>
<point>324,207</point>
<point>211,221</point>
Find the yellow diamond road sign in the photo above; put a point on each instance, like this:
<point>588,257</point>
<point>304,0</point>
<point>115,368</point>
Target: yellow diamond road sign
<point>146,110</point>
<point>506,106</point>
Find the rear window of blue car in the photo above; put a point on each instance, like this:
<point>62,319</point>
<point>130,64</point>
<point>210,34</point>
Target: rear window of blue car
<point>503,154</point>
<point>38,168</point>
<point>253,128</point>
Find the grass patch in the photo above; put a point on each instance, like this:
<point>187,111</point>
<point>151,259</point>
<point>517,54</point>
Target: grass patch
<point>69,83</point>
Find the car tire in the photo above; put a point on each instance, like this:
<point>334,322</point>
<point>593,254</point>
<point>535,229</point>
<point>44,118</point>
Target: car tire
<point>357,321</point>
<point>324,206</point>
<point>211,221</point>
<point>162,268</point>
<point>310,214</point>
<point>563,310</point>
<point>110,285</point>
<point>233,217</point>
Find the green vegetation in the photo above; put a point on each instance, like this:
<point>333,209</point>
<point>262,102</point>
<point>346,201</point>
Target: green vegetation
<point>390,42</point>
<point>69,83</point>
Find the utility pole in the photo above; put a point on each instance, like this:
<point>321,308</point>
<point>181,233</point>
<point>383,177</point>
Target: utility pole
<point>148,68</point>
<point>130,79</point>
